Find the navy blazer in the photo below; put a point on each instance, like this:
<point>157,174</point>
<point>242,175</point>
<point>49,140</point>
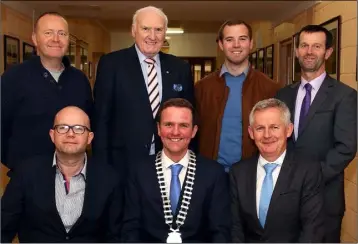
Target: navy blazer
<point>28,206</point>
<point>122,120</point>
<point>295,212</point>
<point>208,219</point>
<point>329,135</point>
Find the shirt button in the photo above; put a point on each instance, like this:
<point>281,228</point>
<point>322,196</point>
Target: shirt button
<point>67,237</point>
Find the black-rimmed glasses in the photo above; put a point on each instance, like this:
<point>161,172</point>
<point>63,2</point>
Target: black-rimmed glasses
<point>77,129</point>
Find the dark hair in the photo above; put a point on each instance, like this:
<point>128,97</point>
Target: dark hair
<point>44,14</point>
<point>314,29</point>
<point>231,23</point>
<point>178,103</point>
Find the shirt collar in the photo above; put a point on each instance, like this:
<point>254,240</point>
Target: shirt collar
<point>278,161</point>
<point>225,70</point>
<point>83,171</point>
<point>315,83</point>
<point>142,57</point>
<point>168,162</point>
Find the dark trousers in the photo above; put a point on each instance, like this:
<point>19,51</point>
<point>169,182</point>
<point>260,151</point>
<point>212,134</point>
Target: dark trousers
<point>333,224</point>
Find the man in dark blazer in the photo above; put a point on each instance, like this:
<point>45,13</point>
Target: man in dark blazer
<point>276,196</point>
<point>63,197</point>
<point>190,205</point>
<point>128,91</point>
<point>324,111</point>
<point>34,91</point>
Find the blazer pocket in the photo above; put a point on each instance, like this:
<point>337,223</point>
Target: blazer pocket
<point>323,111</point>
<point>288,192</point>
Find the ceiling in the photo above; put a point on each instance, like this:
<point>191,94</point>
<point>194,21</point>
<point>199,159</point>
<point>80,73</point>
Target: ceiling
<point>193,16</point>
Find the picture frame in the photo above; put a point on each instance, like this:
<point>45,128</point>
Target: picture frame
<point>269,54</point>
<point>11,51</point>
<point>28,51</point>
<point>89,70</point>
<point>296,67</point>
<point>333,62</point>
<point>261,60</point>
<point>253,60</point>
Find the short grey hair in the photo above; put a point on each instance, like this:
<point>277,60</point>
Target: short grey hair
<point>271,103</point>
<point>152,8</point>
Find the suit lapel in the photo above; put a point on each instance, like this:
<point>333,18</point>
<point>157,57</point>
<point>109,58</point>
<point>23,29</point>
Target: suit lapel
<point>317,102</point>
<point>291,102</point>
<point>251,189</point>
<point>167,83</point>
<point>282,182</point>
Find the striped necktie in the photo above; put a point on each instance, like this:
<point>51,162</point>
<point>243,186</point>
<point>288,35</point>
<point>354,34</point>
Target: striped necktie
<point>153,89</point>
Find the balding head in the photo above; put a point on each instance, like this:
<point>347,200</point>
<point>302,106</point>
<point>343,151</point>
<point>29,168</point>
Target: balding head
<point>72,115</point>
<point>71,131</point>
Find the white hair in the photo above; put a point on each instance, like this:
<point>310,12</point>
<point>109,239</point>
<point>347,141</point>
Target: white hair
<point>271,103</point>
<point>150,8</point>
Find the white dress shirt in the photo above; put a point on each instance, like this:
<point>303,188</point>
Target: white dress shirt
<point>261,173</point>
<point>167,162</point>
<point>316,84</point>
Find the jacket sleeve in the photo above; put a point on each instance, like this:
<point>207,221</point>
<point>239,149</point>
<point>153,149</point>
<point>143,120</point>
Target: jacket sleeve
<point>102,110</point>
<point>188,79</point>
<point>219,210</point>
<point>237,233</point>
<point>312,212</point>
<point>12,207</point>
<point>345,137</point>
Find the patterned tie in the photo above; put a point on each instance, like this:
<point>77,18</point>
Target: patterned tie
<point>153,90</point>
<point>175,187</point>
<point>266,192</point>
<point>306,103</point>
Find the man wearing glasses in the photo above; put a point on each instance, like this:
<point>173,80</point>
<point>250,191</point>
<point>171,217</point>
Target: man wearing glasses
<point>63,197</point>
<point>35,90</point>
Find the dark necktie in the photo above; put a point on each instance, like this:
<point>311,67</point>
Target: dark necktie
<point>306,103</point>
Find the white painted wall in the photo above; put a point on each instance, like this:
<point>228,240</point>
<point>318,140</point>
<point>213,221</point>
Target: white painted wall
<point>185,45</point>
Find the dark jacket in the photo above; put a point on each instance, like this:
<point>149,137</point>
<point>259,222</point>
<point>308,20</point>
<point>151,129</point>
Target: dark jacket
<point>28,206</point>
<point>30,99</point>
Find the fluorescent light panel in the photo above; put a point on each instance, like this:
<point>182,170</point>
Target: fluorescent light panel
<point>175,31</point>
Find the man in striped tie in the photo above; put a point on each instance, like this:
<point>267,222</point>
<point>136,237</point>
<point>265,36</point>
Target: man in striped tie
<point>130,86</point>
<point>276,196</point>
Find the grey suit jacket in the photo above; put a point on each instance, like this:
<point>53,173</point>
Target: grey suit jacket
<point>329,134</point>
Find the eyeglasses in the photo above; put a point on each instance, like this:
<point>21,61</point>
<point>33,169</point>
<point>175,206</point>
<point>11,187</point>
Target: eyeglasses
<point>60,33</point>
<point>77,129</point>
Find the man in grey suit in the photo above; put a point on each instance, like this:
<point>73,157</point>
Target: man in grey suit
<point>324,112</point>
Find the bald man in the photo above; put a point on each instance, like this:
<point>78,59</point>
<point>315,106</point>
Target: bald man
<point>130,85</point>
<point>63,197</point>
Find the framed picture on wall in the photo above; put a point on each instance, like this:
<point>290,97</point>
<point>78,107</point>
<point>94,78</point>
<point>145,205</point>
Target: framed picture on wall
<point>296,68</point>
<point>260,60</point>
<point>269,60</point>
<point>253,60</point>
<point>11,51</point>
<point>332,63</point>
<point>27,51</point>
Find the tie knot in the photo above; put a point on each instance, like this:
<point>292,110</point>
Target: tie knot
<point>270,167</point>
<point>308,87</point>
<point>149,61</point>
<point>176,168</point>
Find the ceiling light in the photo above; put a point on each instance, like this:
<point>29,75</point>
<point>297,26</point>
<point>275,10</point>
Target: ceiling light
<point>167,37</point>
<point>175,31</point>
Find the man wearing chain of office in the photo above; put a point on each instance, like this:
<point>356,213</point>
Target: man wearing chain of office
<point>176,196</point>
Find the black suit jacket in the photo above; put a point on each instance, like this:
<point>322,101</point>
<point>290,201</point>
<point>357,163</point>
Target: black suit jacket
<point>123,120</point>
<point>329,135</point>
<point>208,219</point>
<point>28,206</point>
<point>296,209</point>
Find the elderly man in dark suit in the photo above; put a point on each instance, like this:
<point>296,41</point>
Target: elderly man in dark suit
<point>324,112</point>
<point>130,86</point>
<point>176,196</point>
<point>63,197</point>
<point>276,196</point>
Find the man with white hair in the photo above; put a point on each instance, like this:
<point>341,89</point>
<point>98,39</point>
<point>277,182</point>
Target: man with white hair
<point>131,84</point>
<point>276,196</point>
